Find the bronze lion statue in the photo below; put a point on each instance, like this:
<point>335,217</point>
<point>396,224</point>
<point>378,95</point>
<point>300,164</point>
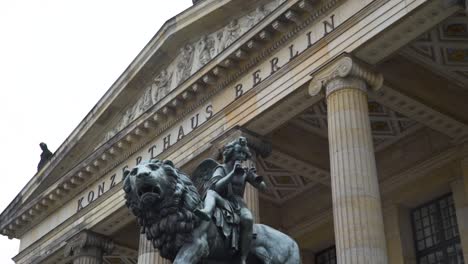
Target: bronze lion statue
<point>164,200</point>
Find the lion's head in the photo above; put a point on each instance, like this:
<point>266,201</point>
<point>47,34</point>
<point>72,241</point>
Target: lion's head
<point>163,199</point>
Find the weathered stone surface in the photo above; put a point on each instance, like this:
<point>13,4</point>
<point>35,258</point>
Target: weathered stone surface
<point>359,229</point>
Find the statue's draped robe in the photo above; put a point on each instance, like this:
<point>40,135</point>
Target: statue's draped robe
<point>227,217</point>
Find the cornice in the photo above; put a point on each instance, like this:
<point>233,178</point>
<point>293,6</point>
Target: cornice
<point>294,16</point>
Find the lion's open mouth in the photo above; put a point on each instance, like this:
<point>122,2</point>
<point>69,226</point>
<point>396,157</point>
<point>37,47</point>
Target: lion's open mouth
<point>149,193</point>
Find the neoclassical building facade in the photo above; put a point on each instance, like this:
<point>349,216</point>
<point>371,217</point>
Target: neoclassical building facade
<point>361,104</point>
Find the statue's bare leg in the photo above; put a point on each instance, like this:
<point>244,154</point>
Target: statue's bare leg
<point>212,199</point>
<point>246,230</point>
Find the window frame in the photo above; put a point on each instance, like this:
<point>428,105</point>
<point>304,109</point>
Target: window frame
<point>326,250</point>
<point>444,242</point>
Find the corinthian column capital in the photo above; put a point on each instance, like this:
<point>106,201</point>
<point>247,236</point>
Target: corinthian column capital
<point>88,243</point>
<point>344,72</point>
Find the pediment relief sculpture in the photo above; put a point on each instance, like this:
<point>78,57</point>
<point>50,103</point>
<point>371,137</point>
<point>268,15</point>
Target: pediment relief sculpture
<point>191,57</point>
<point>184,63</point>
<point>206,50</point>
<point>161,85</point>
<point>257,16</point>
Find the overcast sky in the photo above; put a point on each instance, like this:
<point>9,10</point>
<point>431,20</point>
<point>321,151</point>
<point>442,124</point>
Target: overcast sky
<point>57,58</point>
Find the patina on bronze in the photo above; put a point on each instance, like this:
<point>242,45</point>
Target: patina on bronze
<point>46,155</point>
<point>172,213</point>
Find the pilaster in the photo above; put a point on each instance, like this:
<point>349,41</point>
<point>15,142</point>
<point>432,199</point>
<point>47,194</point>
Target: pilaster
<point>88,248</point>
<point>357,209</point>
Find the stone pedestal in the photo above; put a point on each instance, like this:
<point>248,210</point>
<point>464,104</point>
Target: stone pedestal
<point>357,212</point>
<point>147,254</point>
<point>88,248</point>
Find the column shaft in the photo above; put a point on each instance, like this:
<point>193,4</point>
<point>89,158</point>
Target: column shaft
<point>251,193</point>
<point>357,212</point>
<point>251,199</point>
<point>147,254</point>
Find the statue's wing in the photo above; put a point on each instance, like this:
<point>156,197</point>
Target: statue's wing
<point>202,175</point>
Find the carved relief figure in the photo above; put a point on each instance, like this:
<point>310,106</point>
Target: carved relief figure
<point>144,103</point>
<point>220,41</point>
<point>162,84</point>
<point>184,63</point>
<point>231,33</point>
<point>206,49</point>
<point>127,119</point>
<point>259,14</point>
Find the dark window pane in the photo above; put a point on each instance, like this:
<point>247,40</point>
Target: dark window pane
<point>436,232</point>
<point>327,256</point>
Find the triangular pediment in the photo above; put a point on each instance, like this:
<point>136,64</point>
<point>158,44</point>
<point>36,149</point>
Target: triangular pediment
<point>180,49</point>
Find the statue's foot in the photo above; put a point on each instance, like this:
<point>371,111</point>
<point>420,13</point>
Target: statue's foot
<point>202,215</point>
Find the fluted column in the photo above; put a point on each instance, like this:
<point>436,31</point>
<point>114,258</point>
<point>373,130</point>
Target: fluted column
<point>251,194</point>
<point>147,254</point>
<point>251,199</point>
<point>88,248</point>
<point>357,211</point>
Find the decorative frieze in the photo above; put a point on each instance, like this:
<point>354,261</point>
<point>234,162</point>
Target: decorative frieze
<point>191,58</point>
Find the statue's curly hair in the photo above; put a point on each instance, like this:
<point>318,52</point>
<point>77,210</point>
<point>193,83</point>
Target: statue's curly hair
<point>239,144</point>
<point>169,223</point>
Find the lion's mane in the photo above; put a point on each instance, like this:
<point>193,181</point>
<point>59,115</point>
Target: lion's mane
<point>170,222</point>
